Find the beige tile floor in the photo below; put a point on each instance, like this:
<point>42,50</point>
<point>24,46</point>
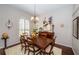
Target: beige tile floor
<point>16,50</point>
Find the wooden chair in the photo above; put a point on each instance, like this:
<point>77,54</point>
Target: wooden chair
<point>23,44</point>
<point>51,48</point>
<point>44,36</point>
<point>43,50</point>
<point>31,47</point>
<point>27,44</point>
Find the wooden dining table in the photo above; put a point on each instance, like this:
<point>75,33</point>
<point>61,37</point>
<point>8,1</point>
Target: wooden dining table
<point>41,43</point>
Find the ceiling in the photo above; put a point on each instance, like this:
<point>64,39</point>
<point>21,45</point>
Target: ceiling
<point>40,8</point>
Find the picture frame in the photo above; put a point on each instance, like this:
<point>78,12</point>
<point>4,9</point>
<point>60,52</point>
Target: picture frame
<point>76,27</point>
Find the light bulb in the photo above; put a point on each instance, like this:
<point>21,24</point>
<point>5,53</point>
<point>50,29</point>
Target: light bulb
<point>32,18</point>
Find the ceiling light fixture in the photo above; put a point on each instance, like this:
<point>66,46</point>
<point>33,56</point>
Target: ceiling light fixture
<point>34,18</point>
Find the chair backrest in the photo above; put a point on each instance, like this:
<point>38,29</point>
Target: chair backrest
<point>22,40</point>
<point>46,35</point>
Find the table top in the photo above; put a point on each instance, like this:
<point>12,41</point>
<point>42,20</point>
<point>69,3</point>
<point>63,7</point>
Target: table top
<point>42,42</point>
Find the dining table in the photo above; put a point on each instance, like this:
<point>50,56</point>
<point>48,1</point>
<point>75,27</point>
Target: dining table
<point>41,43</point>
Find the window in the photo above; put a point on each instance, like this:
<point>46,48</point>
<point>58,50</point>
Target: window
<point>23,26</point>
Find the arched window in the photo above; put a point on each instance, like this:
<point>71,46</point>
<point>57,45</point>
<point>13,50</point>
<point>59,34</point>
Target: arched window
<point>23,26</point>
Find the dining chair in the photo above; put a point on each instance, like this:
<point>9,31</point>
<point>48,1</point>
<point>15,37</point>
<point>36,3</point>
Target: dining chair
<point>27,44</point>
<point>45,51</point>
<point>45,36</point>
<point>31,47</point>
<point>23,44</point>
<point>50,47</point>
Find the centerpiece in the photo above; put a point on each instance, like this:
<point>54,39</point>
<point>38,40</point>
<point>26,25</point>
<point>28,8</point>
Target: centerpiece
<point>34,33</point>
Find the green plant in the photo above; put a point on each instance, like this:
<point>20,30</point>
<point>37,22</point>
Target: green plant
<point>35,30</point>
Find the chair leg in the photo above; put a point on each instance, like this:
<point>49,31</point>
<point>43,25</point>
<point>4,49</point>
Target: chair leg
<point>25,50</point>
<point>28,51</point>
<point>47,53</point>
<point>21,46</point>
<point>34,51</point>
<point>51,52</point>
<point>38,53</point>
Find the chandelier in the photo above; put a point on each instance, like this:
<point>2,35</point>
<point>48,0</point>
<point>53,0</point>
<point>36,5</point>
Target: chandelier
<point>34,18</point>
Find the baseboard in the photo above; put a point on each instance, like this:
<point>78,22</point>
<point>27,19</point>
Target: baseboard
<point>74,51</point>
<point>60,46</point>
<point>65,50</point>
<point>11,45</point>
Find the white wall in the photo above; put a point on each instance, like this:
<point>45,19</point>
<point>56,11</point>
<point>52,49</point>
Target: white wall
<point>61,16</point>
<point>8,12</point>
<point>75,42</point>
